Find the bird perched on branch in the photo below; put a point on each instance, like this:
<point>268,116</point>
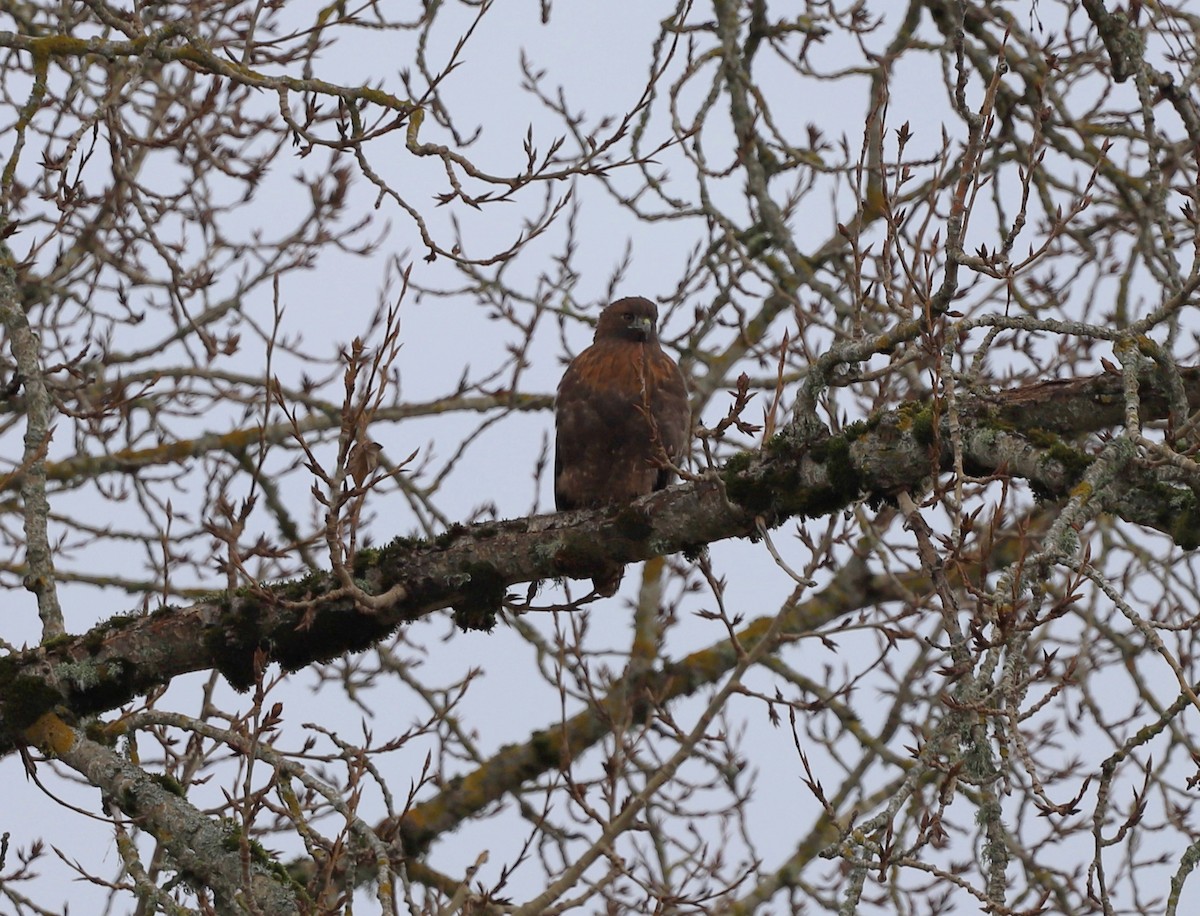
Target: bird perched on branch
<point>622,417</point>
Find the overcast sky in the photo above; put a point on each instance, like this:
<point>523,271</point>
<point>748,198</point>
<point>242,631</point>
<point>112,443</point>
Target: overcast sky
<point>600,60</point>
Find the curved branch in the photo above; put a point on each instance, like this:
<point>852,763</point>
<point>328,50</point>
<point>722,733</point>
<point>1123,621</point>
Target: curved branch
<point>204,851</point>
<point>469,568</point>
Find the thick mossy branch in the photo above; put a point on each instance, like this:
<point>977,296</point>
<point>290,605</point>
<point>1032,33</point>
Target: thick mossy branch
<point>469,568</point>
<point>208,853</point>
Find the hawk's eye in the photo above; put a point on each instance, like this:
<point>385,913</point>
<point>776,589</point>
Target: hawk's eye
<point>628,316</point>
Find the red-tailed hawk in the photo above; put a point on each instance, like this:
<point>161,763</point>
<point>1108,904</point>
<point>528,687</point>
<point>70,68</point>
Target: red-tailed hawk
<point>622,414</point>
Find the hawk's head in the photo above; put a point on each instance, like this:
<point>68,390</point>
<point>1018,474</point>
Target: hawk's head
<point>633,318</point>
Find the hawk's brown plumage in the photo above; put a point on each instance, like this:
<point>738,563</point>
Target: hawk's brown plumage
<point>622,408</point>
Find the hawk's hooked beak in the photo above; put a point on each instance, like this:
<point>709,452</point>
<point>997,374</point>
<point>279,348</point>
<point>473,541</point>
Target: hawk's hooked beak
<point>644,325</point>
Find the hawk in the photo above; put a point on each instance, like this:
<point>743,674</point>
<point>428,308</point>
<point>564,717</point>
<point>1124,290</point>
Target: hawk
<point>621,415</point>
